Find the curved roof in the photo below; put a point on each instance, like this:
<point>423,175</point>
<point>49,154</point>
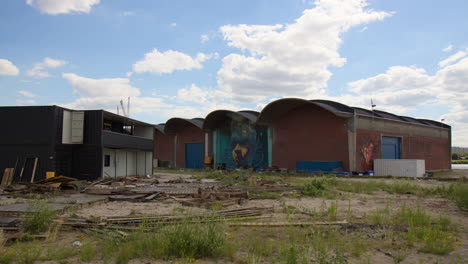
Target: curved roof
<point>173,125</point>
<point>433,123</point>
<point>159,127</point>
<point>277,108</point>
<point>217,116</point>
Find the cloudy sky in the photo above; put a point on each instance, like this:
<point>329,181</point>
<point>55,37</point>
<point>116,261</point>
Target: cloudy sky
<point>185,58</point>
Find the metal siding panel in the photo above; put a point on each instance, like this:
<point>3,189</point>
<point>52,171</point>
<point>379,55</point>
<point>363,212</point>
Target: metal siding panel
<point>194,155</point>
<point>399,167</point>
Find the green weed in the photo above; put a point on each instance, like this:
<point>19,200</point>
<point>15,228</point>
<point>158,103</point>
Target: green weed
<point>87,252</point>
<point>319,187</point>
<point>331,211</point>
<point>183,240</point>
<point>265,195</point>
<point>437,241</point>
<point>41,217</point>
<point>458,192</point>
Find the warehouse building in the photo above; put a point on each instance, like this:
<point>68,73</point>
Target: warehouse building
<point>323,135</point>
<point>51,140</point>
<point>163,151</point>
<point>191,144</point>
<point>238,141</point>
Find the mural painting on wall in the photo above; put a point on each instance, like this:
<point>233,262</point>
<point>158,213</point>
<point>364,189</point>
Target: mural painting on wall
<point>367,151</point>
<point>247,145</point>
<point>369,147</point>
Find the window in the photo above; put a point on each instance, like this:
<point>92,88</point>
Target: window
<point>106,160</point>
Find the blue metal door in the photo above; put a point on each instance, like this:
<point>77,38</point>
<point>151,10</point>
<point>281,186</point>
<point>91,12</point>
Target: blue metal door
<point>194,155</point>
<point>390,148</point>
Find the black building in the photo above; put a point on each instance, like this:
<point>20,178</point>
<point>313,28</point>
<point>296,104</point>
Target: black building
<point>84,144</point>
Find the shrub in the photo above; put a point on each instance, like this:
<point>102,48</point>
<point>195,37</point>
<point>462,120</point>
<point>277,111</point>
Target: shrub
<point>41,217</point>
<point>458,192</point>
<point>319,186</point>
<point>182,240</point>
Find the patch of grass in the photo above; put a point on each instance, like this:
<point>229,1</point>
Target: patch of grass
<point>265,195</point>
<point>319,187</point>
<point>27,253</point>
<point>436,234</point>
<point>87,252</point>
<point>437,241</point>
<point>367,187</point>
<point>401,187</point>
<point>41,217</point>
<point>183,240</point>
<point>58,253</point>
<point>330,212</point>
<point>381,216</point>
<point>218,205</point>
<point>458,192</point>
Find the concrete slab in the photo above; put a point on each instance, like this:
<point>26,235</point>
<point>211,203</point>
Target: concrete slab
<point>79,198</point>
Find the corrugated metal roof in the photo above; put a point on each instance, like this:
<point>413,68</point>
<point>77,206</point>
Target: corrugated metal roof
<point>215,117</point>
<point>276,109</point>
<point>173,125</point>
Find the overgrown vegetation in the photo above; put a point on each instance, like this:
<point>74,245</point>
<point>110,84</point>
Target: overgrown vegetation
<point>183,240</point>
<point>319,187</point>
<point>41,217</point>
<point>436,235</point>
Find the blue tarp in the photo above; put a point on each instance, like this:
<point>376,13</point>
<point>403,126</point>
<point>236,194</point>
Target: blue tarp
<point>314,166</point>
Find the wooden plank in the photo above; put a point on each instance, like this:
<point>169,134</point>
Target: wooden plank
<point>6,173</point>
<point>10,177</point>
<point>34,169</point>
<point>280,224</point>
<point>22,169</point>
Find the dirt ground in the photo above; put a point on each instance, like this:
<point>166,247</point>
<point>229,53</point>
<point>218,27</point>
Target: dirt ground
<point>352,207</point>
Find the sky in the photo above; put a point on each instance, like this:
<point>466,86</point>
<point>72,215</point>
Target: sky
<point>185,58</point>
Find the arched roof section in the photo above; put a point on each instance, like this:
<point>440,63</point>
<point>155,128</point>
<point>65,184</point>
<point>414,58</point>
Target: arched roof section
<point>175,124</point>
<point>215,117</point>
<point>434,123</point>
<point>159,127</point>
<point>277,108</point>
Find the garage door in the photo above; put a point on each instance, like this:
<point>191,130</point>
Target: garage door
<point>194,155</point>
<point>391,148</point>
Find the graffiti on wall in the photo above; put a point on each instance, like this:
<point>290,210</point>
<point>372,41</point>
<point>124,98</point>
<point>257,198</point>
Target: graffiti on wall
<point>368,149</point>
<point>244,144</point>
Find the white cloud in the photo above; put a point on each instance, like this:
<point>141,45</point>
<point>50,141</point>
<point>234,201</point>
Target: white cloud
<point>26,102</point>
<point>401,89</point>
<point>448,48</point>
<point>56,7</point>
<point>8,68</point>
<point>193,94</point>
<point>40,69</point>
<point>395,78</point>
<point>169,61</point>
<point>101,88</point>
<point>455,57</point>
<point>204,38</point>
<point>26,94</point>
<point>173,24</point>
<point>290,59</point>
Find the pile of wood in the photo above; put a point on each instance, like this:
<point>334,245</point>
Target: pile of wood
<point>212,196</point>
<point>48,185</point>
<point>157,221</point>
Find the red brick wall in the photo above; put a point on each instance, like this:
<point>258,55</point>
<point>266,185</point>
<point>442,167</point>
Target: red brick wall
<point>188,134</point>
<point>309,133</point>
<point>163,146</point>
<point>434,150</point>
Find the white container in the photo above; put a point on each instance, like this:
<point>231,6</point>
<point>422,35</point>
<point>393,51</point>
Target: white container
<point>400,167</point>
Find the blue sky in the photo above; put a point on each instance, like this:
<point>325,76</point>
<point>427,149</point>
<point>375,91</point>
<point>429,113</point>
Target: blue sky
<point>188,58</point>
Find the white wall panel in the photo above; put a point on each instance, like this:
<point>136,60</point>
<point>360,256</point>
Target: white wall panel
<point>399,167</point>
